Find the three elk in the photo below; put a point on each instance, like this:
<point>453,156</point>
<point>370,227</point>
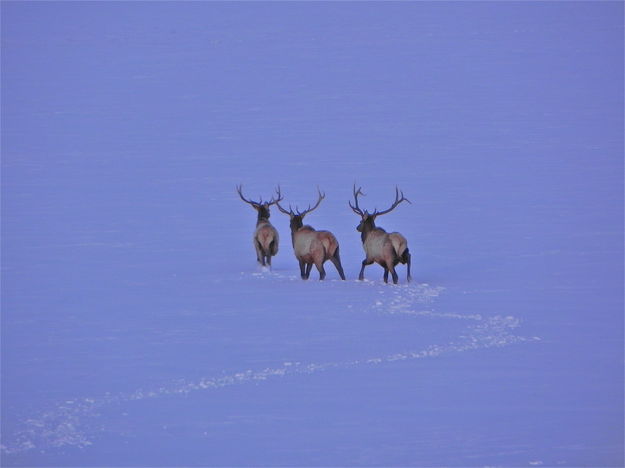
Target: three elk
<point>312,247</point>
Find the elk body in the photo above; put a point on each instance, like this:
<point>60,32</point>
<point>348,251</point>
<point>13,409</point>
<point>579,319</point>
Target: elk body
<point>266,238</point>
<point>312,247</point>
<point>385,249</point>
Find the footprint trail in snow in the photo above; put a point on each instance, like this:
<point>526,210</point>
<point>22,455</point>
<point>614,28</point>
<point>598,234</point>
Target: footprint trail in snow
<point>74,422</point>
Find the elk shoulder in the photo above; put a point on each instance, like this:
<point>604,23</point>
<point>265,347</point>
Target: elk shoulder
<point>307,245</point>
<point>375,241</point>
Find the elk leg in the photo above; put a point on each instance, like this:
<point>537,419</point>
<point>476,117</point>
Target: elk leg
<point>260,256</point>
<point>269,261</point>
<point>322,271</point>
<point>365,262</point>
<point>302,269</point>
<point>336,260</point>
<point>408,277</point>
<point>394,274</point>
<point>385,275</point>
<point>308,268</point>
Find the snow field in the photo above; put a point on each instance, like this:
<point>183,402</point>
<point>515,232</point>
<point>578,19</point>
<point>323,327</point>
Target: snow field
<point>78,422</point>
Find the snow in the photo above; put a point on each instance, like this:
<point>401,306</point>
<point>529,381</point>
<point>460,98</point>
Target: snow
<point>137,328</point>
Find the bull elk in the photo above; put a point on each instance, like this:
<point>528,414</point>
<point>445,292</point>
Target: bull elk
<point>385,249</point>
<point>311,246</point>
<point>266,238</point>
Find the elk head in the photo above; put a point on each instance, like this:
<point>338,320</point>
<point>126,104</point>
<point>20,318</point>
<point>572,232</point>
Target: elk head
<point>260,206</point>
<point>296,216</point>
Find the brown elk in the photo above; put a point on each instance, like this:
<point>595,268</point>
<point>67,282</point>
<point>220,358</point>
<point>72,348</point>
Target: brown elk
<point>385,249</point>
<point>311,246</point>
<point>266,238</point>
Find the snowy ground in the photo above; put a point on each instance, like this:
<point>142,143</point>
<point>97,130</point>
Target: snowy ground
<point>137,329</point>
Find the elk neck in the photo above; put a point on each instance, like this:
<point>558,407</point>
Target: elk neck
<point>263,215</point>
<point>297,224</point>
<point>368,225</point>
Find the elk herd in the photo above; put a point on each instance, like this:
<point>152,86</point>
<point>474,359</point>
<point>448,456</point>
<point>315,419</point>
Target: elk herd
<point>313,247</point>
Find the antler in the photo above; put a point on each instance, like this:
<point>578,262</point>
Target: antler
<point>253,203</point>
<point>397,201</point>
<point>309,209</point>
<point>292,212</point>
<point>273,200</point>
<point>356,208</point>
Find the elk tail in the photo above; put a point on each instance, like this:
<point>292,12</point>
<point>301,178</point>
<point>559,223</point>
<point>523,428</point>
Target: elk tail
<point>267,242</point>
<point>405,256</point>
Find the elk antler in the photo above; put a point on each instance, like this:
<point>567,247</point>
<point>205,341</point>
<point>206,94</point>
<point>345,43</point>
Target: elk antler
<point>290,211</point>
<point>273,200</point>
<point>397,201</point>
<point>296,212</point>
<point>251,202</point>
<point>309,209</point>
<point>356,209</point>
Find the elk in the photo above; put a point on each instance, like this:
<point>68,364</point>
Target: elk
<point>266,238</point>
<point>385,249</point>
<point>311,246</point>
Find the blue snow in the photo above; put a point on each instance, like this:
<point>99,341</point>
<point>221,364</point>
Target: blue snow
<point>137,328</point>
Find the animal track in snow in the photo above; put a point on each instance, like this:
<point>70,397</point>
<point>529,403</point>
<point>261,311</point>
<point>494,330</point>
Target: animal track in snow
<point>73,423</point>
